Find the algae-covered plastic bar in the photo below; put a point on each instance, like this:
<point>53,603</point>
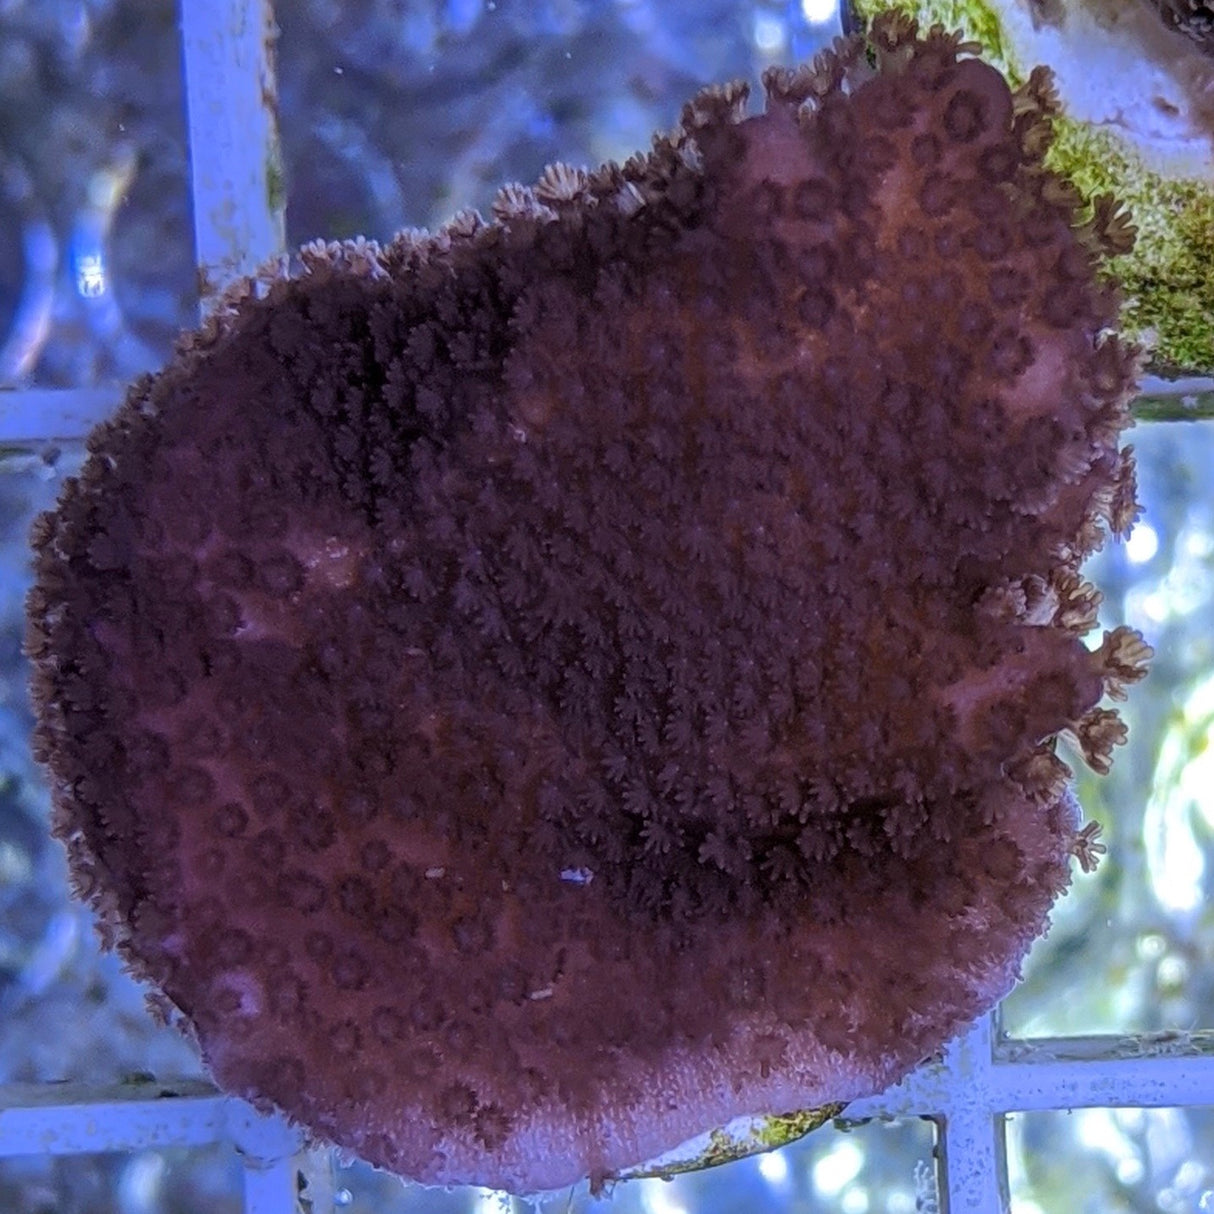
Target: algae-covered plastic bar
<point>1135,80</point>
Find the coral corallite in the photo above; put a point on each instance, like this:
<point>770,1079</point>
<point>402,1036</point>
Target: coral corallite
<point>535,691</point>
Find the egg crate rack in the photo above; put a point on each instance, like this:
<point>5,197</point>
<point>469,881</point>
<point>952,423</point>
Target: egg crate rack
<point>967,1092</point>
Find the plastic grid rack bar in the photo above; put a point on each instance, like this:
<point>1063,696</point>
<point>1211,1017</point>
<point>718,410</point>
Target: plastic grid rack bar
<point>967,1093</point>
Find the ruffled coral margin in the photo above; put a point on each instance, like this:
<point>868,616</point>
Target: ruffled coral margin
<point>533,692</point>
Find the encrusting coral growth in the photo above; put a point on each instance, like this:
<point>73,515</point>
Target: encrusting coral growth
<point>533,692</point>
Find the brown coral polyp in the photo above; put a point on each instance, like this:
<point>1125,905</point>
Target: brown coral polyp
<point>535,691</point>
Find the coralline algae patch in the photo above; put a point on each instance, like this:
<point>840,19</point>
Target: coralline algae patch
<point>537,691</point>
<point>1136,122</point>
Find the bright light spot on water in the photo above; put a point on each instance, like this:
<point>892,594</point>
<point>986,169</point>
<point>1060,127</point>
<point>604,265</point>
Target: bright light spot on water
<point>769,33</point>
<point>1130,1171</point>
<point>1022,1206</point>
<point>1172,972</point>
<point>657,1198</point>
<point>1103,1130</point>
<point>773,1167</point>
<point>833,1172</point>
<point>1180,799</point>
<point>1175,862</point>
<point>1197,542</point>
<point>1098,1131</point>
<point>1151,946</point>
<point>1207,1201</point>
<point>855,1200</point>
<point>1142,544</point>
<point>1189,1175</point>
<point>818,11</point>
<point>1186,587</point>
<point>90,275</point>
<point>142,1180</point>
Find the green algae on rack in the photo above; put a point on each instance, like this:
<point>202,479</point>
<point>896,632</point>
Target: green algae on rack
<point>1150,147</point>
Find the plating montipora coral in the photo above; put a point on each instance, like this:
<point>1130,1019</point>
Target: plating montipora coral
<point>531,692</point>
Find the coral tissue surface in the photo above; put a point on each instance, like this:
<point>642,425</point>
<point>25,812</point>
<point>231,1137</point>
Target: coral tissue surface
<point>534,691</point>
